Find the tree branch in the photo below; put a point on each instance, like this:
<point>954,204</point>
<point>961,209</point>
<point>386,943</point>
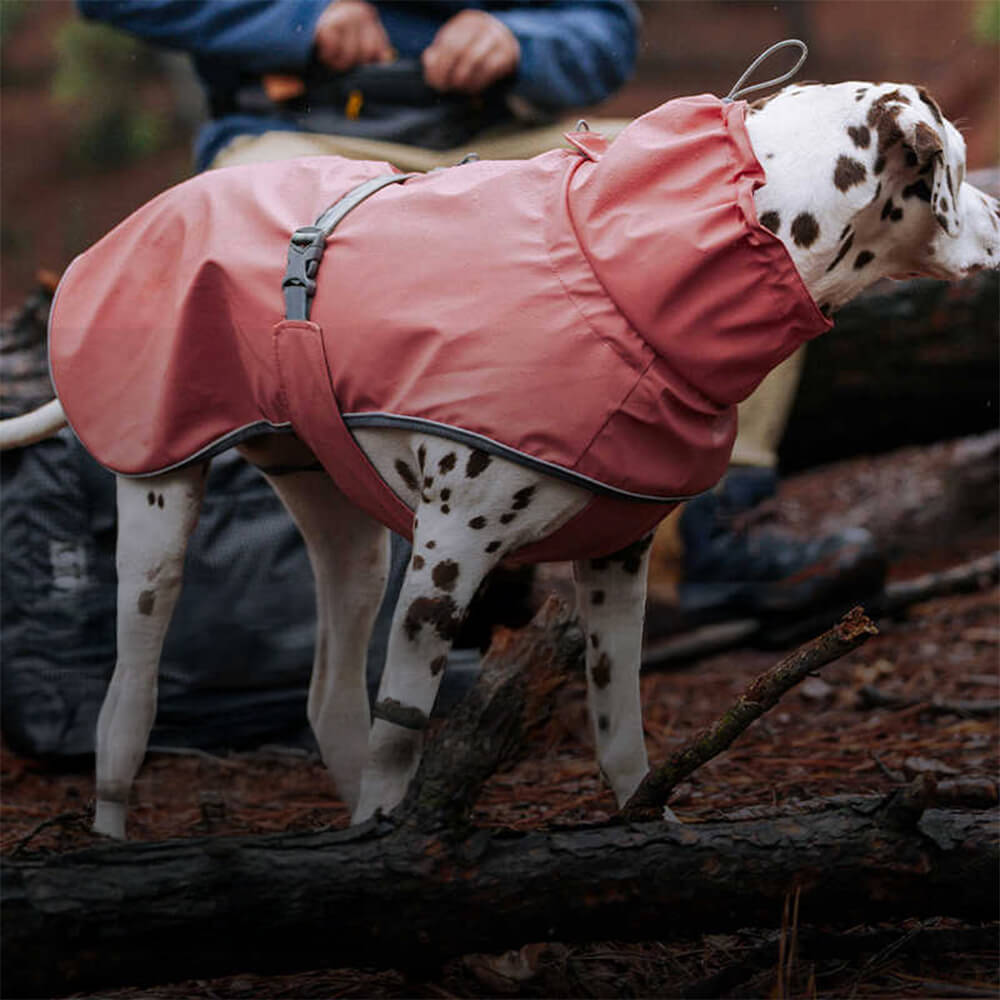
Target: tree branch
<point>762,694</point>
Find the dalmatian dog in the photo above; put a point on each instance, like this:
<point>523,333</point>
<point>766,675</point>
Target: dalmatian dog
<point>863,181</point>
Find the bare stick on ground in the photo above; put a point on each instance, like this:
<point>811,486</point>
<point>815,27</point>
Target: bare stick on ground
<point>762,694</point>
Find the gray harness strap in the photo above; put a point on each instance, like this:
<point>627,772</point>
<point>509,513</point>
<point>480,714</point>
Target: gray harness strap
<point>308,243</point>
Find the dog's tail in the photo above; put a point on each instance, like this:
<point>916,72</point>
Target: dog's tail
<point>31,427</point>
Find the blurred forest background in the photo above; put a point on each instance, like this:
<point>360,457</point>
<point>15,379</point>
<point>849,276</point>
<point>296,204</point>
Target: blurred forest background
<point>93,123</point>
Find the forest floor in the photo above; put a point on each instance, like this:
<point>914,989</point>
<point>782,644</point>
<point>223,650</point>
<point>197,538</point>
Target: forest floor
<point>937,664</point>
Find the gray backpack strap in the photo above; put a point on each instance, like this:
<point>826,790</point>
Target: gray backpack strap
<point>308,243</point>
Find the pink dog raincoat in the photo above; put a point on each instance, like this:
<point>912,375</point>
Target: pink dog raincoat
<point>595,312</point>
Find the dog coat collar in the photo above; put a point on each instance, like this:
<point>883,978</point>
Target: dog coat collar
<point>596,312</point>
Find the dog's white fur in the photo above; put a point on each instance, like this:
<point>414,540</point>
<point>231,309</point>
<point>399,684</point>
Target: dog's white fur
<point>863,181</point>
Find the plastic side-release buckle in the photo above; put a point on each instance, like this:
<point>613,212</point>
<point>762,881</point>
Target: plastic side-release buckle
<point>299,285</point>
<point>591,145</point>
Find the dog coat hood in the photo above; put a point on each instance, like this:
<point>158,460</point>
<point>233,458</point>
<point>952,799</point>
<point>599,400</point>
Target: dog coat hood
<point>596,312</point>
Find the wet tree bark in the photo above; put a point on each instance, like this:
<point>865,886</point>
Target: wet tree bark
<point>910,342</point>
<point>390,895</point>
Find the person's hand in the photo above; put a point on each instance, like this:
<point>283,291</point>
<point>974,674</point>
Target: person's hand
<point>470,51</point>
<point>348,34</point>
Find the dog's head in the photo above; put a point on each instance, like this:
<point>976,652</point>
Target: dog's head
<point>866,181</point>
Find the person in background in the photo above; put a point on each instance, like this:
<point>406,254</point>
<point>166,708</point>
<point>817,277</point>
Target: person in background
<point>502,71</point>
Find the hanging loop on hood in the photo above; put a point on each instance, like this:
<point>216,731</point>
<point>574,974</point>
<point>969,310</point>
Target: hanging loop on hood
<point>739,91</point>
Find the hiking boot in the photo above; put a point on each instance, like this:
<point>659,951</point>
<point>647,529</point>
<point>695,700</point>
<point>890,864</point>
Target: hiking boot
<point>735,569</point>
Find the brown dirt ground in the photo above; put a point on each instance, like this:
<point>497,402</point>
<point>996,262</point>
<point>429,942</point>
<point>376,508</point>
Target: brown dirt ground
<point>822,739</point>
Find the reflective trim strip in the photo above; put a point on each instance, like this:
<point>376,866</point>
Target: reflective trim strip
<point>216,447</point>
<point>474,440</point>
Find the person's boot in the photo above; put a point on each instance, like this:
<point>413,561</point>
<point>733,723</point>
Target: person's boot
<point>732,569</point>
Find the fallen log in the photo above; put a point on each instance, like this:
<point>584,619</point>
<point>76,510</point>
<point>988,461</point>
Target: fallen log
<point>910,342</point>
<point>387,895</point>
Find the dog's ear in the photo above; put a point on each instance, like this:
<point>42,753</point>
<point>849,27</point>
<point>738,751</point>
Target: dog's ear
<point>933,150</point>
<point>926,133</point>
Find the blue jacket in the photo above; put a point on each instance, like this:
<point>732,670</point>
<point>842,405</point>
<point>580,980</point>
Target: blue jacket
<point>573,52</point>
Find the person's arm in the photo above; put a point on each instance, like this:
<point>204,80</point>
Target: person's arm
<point>572,53</point>
<point>256,35</point>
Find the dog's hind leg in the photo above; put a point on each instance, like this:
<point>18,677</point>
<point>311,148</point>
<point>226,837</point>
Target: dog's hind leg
<point>155,520</point>
<point>349,553</point>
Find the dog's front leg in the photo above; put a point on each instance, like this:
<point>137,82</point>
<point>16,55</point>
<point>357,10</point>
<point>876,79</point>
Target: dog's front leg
<point>611,598</point>
<point>443,575</point>
<point>155,520</point>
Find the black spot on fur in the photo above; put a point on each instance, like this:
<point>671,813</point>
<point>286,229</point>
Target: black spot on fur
<point>879,165</point>
<point>523,497</point>
<point>428,482</point>
<point>842,253</point>
<point>887,209</point>
<point>942,205</point>
<point>942,220</point>
<point>445,509</point>
<point>444,574</point>
<point>477,523</point>
<point>805,229</point>
<point>883,115</point>
<point>432,544</point>
<point>406,474</point>
<point>478,461</point>
<point>146,602</point>
<point>507,518</point>
<point>445,494</point>
<point>447,463</point>
<point>422,457</point>
<point>848,173</point>
<point>863,259</point>
<point>918,189</point>
<point>771,221</point>
<point>151,498</point>
<point>440,613</point>
<point>600,672</point>
<point>438,664</point>
<point>630,557</point>
<point>860,135</point>
<point>597,597</point>
<point>493,546</point>
<point>932,104</point>
<point>418,562</point>
<point>603,723</point>
<point>595,640</point>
